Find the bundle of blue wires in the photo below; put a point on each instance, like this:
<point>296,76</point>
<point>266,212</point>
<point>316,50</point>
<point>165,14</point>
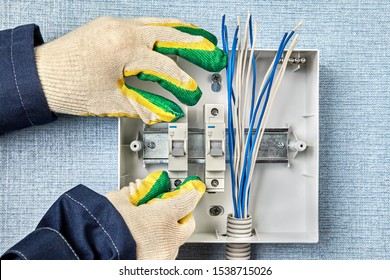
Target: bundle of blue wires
<point>241,187</point>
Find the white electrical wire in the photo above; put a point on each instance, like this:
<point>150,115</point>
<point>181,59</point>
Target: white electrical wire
<point>245,107</point>
<point>274,90</point>
<point>240,97</point>
<point>235,110</point>
<point>249,71</point>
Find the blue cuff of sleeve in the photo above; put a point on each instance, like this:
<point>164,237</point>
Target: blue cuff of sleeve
<point>42,244</point>
<point>80,224</point>
<point>22,101</point>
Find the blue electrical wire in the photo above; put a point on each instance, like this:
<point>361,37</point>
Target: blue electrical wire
<point>249,148</point>
<point>225,43</point>
<point>230,121</point>
<point>229,77</point>
<point>270,81</point>
<point>247,164</point>
<point>245,185</point>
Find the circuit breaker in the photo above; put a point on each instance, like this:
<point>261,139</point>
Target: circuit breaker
<point>215,155</point>
<point>178,151</point>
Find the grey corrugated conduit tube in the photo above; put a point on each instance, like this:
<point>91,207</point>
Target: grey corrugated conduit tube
<point>238,229</point>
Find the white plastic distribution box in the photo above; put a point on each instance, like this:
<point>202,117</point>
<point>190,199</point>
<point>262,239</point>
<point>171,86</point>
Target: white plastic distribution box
<point>284,196</point>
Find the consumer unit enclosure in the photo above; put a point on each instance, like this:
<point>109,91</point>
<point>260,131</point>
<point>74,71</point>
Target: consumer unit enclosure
<point>284,190</point>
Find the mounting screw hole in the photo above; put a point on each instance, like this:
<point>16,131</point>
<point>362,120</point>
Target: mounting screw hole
<point>136,146</point>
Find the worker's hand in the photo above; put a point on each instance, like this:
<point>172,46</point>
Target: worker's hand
<point>83,72</point>
<point>159,221</point>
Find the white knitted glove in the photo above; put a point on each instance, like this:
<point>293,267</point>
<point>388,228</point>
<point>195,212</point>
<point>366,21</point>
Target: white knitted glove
<point>159,221</point>
<point>82,73</point>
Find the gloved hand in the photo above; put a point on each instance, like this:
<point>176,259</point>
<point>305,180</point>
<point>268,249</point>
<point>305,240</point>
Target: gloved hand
<point>82,73</point>
<point>159,221</point>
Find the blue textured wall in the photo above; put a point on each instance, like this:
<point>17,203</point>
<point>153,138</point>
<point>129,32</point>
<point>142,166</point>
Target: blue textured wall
<point>38,164</point>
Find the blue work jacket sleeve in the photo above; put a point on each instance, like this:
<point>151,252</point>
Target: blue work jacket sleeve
<point>81,224</point>
<point>22,101</point>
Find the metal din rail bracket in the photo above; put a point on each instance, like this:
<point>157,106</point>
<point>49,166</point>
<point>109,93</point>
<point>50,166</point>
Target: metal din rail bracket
<point>273,148</point>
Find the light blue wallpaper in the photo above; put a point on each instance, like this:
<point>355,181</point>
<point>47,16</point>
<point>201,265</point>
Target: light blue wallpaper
<point>38,164</point>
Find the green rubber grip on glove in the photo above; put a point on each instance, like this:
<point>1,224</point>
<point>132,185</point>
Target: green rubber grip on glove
<point>203,53</point>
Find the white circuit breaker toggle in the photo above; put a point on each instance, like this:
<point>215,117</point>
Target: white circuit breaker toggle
<point>215,155</point>
<point>178,151</point>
